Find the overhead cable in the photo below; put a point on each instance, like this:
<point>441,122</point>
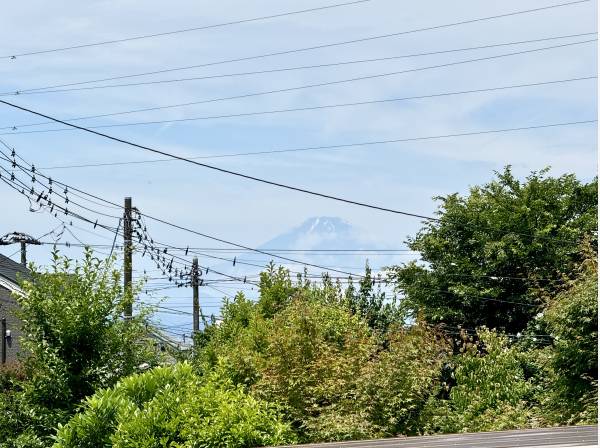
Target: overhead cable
<point>180,31</point>
<point>15,129</point>
<point>305,86</point>
<point>54,89</point>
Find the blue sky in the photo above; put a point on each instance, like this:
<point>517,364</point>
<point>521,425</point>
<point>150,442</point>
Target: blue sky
<point>403,176</point>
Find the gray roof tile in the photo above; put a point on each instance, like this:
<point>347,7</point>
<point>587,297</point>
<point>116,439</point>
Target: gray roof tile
<point>9,269</point>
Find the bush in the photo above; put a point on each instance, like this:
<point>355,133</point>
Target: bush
<point>76,341</point>
<point>339,363</point>
<point>172,406</point>
<point>571,387</point>
<point>398,382</point>
<point>314,357</point>
<point>491,391</point>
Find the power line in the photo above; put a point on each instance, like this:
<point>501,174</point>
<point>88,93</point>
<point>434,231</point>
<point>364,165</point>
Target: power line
<point>51,89</point>
<point>264,252</point>
<point>323,268</point>
<point>22,191</point>
<point>33,193</point>
<point>342,146</point>
<point>15,182</point>
<point>226,171</point>
<point>377,278</point>
<point>234,173</point>
<point>185,30</point>
<point>330,252</point>
<point>334,44</point>
<point>5,157</point>
<point>309,86</point>
<point>311,252</point>
<point>297,109</point>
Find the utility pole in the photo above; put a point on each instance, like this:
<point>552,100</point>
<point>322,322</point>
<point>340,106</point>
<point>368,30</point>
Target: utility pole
<point>23,253</point>
<point>19,237</point>
<point>127,255</point>
<point>196,302</point>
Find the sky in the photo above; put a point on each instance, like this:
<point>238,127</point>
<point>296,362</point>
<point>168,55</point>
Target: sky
<point>402,175</point>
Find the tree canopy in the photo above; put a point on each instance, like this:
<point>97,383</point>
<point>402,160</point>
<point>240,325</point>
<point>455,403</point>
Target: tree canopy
<point>494,255</point>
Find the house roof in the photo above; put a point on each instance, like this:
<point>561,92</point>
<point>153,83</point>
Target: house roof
<point>10,269</point>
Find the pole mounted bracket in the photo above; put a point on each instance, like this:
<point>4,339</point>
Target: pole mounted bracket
<point>18,237</point>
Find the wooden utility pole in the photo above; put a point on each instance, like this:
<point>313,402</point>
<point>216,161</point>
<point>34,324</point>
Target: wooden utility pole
<point>23,253</point>
<point>127,256</point>
<point>196,302</point>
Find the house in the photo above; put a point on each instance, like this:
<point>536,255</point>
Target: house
<point>10,327</point>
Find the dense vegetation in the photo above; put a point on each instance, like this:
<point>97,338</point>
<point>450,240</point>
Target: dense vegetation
<point>505,243</point>
<point>172,406</point>
<point>78,343</point>
<point>496,328</point>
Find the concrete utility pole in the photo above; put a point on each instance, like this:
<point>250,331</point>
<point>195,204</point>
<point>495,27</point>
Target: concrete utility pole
<point>23,253</point>
<point>196,303</point>
<point>127,255</point>
<point>19,237</point>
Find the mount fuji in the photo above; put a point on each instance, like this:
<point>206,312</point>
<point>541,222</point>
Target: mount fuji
<point>326,241</point>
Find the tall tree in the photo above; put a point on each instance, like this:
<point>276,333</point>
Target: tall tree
<point>495,253</point>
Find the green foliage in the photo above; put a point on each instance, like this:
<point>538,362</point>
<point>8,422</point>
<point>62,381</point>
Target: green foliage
<point>234,342</point>
<point>75,342</point>
<point>276,289</point>
<point>572,376</point>
<point>173,407</point>
<point>12,412</point>
<point>397,383</point>
<point>508,241</point>
<point>337,370</point>
<point>73,320</point>
<point>315,362</point>
<point>313,357</point>
<point>378,310</point>
<point>490,390</point>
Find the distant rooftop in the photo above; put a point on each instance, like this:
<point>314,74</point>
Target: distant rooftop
<point>9,269</point>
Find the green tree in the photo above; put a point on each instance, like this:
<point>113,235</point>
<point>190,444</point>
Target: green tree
<point>236,341</point>
<point>371,303</point>
<point>571,386</point>
<point>75,340</point>
<point>276,289</point>
<point>334,376</point>
<point>492,255</point>
<point>398,381</point>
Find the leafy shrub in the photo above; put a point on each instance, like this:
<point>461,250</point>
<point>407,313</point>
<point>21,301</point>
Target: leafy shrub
<point>491,391</point>
<point>334,360</point>
<point>72,316</point>
<point>571,389</point>
<point>172,406</point>
<point>313,359</point>
<point>235,343</point>
<point>76,341</point>
<point>397,383</point>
